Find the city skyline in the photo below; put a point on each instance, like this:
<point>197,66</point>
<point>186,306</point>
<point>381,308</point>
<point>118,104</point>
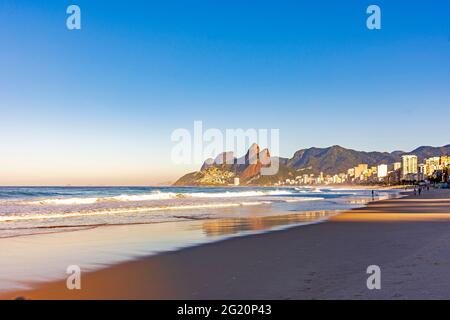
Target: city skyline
<point>407,170</point>
<point>322,166</point>
<point>97,106</point>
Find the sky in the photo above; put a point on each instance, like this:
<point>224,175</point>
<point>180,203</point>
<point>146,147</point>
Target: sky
<point>97,106</point>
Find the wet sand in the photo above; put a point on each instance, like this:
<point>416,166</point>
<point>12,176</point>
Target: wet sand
<point>408,238</point>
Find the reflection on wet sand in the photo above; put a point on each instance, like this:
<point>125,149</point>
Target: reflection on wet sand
<point>257,223</point>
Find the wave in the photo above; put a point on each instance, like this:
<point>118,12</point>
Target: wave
<point>308,190</point>
<point>39,216</point>
<point>157,195</point>
<point>303,199</point>
<point>56,212</point>
<point>65,201</point>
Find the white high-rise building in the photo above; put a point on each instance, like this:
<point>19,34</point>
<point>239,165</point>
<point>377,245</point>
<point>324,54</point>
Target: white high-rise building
<point>409,166</point>
<point>382,171</point>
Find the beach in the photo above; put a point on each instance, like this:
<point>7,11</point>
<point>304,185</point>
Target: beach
<point>407,238</point>
<point>235,150</point>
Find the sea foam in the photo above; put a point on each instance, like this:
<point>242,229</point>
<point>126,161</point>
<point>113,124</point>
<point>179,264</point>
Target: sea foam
<point>157,195</point>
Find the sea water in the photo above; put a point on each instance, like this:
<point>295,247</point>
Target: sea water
<point>43,230</point>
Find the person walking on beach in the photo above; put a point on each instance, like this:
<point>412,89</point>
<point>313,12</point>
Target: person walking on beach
<point>373,195</point>
<point>415,192</point>
<point>420,190</point>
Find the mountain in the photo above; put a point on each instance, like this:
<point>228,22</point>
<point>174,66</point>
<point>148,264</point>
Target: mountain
<point>336,159</point>
<point>249,169</point>
<point>428,152</point>
<point>331,160</point>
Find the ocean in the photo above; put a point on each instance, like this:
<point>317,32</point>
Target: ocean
<point>33,210</point>
<point>43,230</point>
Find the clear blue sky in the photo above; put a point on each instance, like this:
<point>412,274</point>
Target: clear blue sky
<point>98,105</point>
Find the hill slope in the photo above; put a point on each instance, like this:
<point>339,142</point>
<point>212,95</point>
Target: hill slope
<point>337,159</point>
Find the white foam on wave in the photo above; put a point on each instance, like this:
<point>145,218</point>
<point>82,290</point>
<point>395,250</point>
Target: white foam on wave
<point>308,190</point>
<point>145,197</point>
<point>56,213</point>
<point>10,218</point>
<point>157,195</point>
<point>122,198</point>
<point>303,199</point>
<point>65,201</point>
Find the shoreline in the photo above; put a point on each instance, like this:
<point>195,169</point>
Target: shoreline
<point>180,275</point>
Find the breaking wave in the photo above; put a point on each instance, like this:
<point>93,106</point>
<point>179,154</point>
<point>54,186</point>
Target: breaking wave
<point>157,195</point>
<point>56,215</point>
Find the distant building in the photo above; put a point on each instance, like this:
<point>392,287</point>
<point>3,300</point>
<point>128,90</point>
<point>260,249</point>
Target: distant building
<point>423,171</point>
<point>351,172</point>
<point>236,181</point>
<point>397,165</point>
<point>409,167</point>
<point>360,169</point>
<point>433,164</point>
<point>394,176</point>
<point>382,171</point>
<point>306,179</point>
<point>445,161</point>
